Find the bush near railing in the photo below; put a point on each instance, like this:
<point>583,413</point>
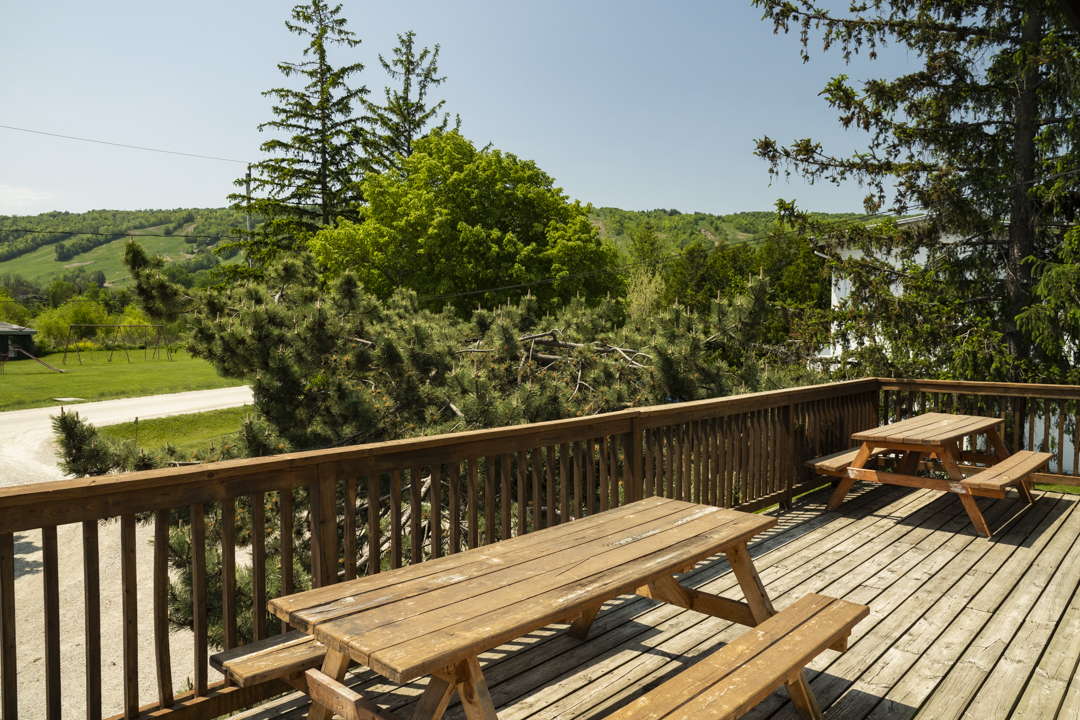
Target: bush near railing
<point>429,497</point>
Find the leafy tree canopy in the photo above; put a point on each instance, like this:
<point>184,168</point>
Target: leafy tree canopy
<point>983,138</point>
<point>459,220</point>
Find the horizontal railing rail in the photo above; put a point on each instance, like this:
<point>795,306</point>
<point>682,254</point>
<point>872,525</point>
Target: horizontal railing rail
<point>328,515</point>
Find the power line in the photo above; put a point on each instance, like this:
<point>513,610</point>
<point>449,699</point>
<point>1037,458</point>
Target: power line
<point>132,147</point>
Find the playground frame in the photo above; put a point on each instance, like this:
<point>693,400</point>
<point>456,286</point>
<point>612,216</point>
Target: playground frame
<point>119,335</point>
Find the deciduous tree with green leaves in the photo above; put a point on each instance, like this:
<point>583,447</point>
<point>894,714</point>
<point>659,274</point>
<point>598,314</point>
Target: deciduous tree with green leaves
<point>470,227</point>
<point>313,176</point>
<point>982,137</point>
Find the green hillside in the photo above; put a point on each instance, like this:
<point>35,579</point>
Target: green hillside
<point>37,254</point>
<point>680,229</point>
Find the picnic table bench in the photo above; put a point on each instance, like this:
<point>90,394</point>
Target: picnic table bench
<point>931,442</point>
<point>436,617</point>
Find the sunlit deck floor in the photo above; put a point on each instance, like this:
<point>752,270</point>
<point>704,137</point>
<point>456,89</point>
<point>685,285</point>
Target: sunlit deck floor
<point>959,626</point>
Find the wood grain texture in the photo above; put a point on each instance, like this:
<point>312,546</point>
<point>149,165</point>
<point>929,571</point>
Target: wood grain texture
<point>163,652</point>
<point>9,668</point>
<point>92,617</point>
<point>50,563</point>
<point>200,624</point>
<point>130,614</point>
<point>258,566</point>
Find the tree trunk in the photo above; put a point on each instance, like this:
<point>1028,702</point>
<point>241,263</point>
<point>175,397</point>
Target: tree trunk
<point>1022,217</point>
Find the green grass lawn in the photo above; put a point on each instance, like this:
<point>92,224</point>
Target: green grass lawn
<point>187,432</point>
<point>26,384</point>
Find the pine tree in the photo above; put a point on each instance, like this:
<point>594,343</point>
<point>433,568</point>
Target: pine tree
<point>390,129</point>
<point>982,138</point>
<point>312,178</point>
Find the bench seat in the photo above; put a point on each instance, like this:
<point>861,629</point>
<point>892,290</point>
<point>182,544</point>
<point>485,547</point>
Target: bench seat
<point>734,679</point>
<point>1009,472</point>
<point>837,463</point>
<point>282,656</point>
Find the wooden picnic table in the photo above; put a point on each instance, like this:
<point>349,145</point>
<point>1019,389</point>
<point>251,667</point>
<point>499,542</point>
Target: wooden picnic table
<point>435,618</point>
<point>934,441</point>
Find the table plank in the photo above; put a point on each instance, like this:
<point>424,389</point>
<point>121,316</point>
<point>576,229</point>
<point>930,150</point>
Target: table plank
<point>426,652</point>
<point>306,610</point>
<point>927,429</point>
<point>416,635</point>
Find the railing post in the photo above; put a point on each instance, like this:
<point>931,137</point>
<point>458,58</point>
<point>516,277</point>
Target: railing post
<point>787,420</point>
<point>323,502</point>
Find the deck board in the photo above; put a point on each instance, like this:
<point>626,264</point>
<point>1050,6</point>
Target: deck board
<point>959,625</point>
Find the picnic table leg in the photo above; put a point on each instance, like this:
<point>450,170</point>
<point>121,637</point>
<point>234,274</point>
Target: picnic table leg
<point>758,599</point>
<point>846,482</point>
<point>948,459</point>
<point>473,689</point>
<point>335,664</point>
<point>580,627</point>
<point>436,697</point>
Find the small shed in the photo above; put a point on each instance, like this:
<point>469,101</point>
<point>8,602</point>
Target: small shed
<point>13,336</point>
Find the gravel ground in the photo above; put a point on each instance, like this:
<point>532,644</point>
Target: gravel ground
<point>28,450</point>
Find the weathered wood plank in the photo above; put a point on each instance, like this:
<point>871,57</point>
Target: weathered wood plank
<point>92,616</point>
<point>51,585</point>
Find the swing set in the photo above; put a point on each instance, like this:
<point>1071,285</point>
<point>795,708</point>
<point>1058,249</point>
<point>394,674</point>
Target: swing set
<point>117,338</point>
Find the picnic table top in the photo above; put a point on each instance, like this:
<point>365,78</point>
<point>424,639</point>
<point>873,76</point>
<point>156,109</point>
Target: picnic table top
<point>933,429</point>
<point>412,621</point>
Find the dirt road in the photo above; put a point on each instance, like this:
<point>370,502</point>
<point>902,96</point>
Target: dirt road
<point>28,456</point>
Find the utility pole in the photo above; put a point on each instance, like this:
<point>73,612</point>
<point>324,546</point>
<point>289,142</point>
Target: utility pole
<point>247,191</point>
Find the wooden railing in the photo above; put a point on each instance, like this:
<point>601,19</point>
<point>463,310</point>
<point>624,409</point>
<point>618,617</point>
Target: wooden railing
<point>384,505</point>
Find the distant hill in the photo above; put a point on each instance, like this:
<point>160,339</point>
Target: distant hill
<point>95,240</point>
<point>680,229</point>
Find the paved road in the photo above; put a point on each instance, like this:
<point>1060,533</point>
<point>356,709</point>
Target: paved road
<point>28,455</point>
<point>29,449</point>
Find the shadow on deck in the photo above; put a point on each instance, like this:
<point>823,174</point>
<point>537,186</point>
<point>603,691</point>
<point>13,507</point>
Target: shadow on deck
<point>959,626</point>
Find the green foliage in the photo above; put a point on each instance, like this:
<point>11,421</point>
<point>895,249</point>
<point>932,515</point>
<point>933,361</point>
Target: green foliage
<point>82,451</point>
<point>460,219</point>
<point>311,179</point>
<point>981,136</point>
<point>331,364</point>
<point>392,128</point>
<point>52,324</point>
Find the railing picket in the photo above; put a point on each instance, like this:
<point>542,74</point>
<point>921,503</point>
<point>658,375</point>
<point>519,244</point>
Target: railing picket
<point>9,666</point>
<point>416,533</point>
<point>590,475</point>
<point>349,553</point>
<point>650,459</point>
<point>604,495</point>
<point>285,499</point>
<point>1061,438</point>
<point>577,480</point>
<point>92,614</point>
<point>258,565</point>
<point>395,519</point>
<point>564,482</point>
<point>474,501</point>
<point>489,500</point>
<point>534,458</point>
<point>228,576</point>
<point>130,615</point>
<point>506,506</point>
<point>198,604</point>
<point>435,515</point>
<point>1076,438</point>
<point>455,507</point>
<point>613,471</point>
<point>1046,425</point>
<point>724,447</point>
<point>549,485</point>
<point>163,654</point>
<point>522,494</point>
<point>50,560</point>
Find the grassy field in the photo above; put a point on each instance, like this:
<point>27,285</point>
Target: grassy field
<point>41,265</point>
<point>187,432</point>
<point>26,384</point>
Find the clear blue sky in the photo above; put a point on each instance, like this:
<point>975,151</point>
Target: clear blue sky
<point>626,104</point>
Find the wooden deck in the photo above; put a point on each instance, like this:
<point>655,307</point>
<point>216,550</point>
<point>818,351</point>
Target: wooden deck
<point>959,626</point>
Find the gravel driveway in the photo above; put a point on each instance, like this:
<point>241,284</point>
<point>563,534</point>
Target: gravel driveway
<point>28,456</point>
